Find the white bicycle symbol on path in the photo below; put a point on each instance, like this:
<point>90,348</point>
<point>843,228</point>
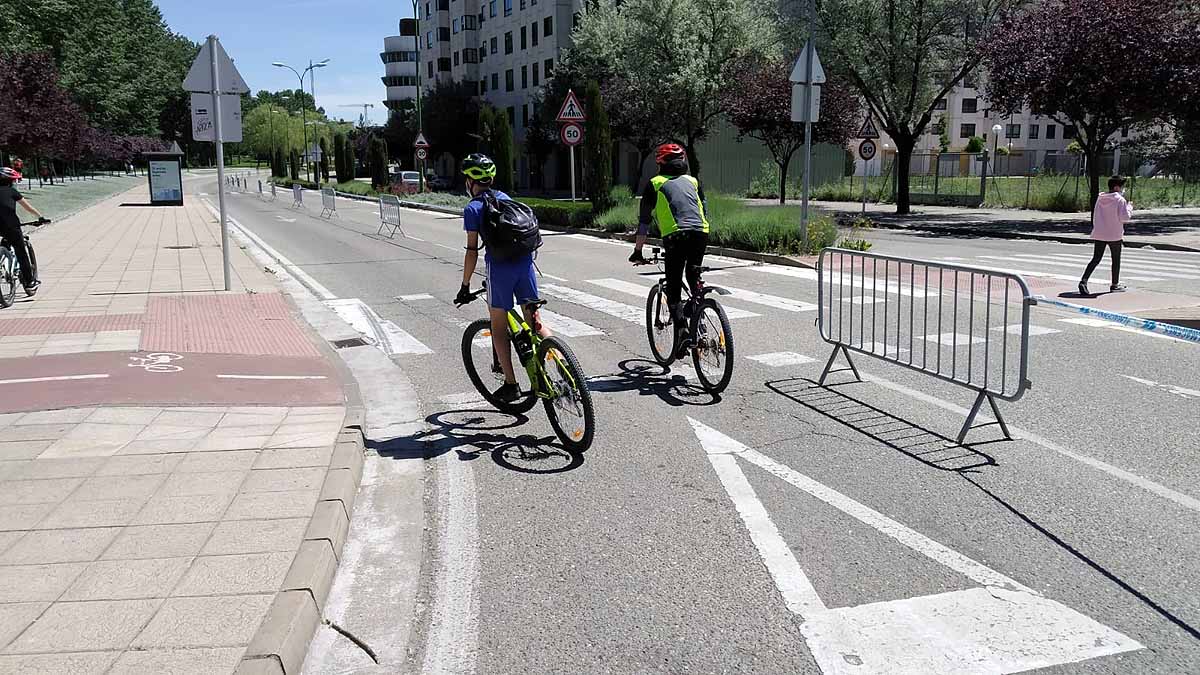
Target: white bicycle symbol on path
<point>158,362</point>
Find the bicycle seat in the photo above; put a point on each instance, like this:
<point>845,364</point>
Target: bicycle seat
<point>538,304</point>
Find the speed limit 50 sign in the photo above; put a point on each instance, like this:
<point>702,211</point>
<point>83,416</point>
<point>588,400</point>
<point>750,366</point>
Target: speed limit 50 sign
<point>571,133</point>
<point>867,149</point>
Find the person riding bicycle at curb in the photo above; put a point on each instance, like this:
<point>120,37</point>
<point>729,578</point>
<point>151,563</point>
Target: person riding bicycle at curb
<point>676,201</point>
<point>506,278</point>
<point>10,225</point>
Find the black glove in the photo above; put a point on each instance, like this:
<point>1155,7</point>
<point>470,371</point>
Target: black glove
<point>464,296</point>
<point>636,256</point>
<point>42,221</point>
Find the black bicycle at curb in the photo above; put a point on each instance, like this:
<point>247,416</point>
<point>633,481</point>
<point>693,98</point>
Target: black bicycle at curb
<point>552,373</point>
<point>10,269</point>
<point>707,335</point>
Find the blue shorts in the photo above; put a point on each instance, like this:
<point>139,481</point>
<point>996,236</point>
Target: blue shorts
<point>508,280</point>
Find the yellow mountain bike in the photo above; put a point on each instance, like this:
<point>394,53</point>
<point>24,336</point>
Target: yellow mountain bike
<point>551,373</point>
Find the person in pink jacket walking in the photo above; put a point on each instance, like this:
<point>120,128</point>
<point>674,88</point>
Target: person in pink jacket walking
<point>1109,216</point>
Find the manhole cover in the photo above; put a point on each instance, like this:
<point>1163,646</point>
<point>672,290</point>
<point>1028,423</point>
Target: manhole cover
<point>349,342</point>
<point>179,248</point>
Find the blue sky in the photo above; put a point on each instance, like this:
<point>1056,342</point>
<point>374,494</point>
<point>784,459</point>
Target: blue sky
<point>257,32</point>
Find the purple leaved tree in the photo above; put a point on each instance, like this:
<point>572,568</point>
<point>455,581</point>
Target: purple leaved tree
<point>759,105</point>
<point>37,116</point>
<point>1097,65</point>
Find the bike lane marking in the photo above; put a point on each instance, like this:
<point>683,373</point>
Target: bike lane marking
<point>57,378</point>
<point>1002,627</point>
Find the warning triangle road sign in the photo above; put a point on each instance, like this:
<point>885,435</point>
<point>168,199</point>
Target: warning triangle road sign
<point>199,77</point>
<point>868,129</point>
<point>571,111</point>
<point>420,142</point>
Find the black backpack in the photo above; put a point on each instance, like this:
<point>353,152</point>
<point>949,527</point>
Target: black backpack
<point>510,228</point>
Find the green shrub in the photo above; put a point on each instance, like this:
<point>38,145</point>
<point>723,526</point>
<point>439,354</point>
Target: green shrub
<point>355,187</point>
<point>447,199</point>
<point>975,144</point>
<point>765,184</point>
<point>288,183</point>
<point>560,213</point>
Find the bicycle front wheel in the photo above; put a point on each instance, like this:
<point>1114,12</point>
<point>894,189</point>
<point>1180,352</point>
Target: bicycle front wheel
<point>483,369</point>
<point>8,278</point>
<point>569,404</point>
<point>33,273</point>
<point>713,352</point>
<point>659,328</point>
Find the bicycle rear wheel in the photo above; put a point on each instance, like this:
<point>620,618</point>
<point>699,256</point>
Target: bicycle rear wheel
<point>480,361</point>
<point>713,351</point>
<point>660,330</point>
<point>570,406</point>
<point>33,274</point>
<point>8,278</point>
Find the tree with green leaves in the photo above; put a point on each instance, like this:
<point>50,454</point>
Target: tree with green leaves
<point>678,51</point>
<point>324,160</point>
<point>377,160</point>
<point>503,153</point>
<point>541,139</point>
<point>294,165</point>
<point>278,165</point>
<point>400,131</point>
<point>597,150</point>
<point>450,110</point>
<point>339,157</point>
<point>903,57</point>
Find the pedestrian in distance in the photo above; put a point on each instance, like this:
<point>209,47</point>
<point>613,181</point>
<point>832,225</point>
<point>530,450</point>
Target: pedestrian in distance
<point>1109,216</point>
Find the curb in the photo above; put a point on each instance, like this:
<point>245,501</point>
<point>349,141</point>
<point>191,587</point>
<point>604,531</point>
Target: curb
<point>280,645</point>
<point>1032,236</point>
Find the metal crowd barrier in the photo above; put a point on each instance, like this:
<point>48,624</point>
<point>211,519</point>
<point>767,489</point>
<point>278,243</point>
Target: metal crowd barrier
<point>273,195</point>
<point>965,325</point>
<point>297,196</point>
<point>389,216</point>
<point>328,202</point>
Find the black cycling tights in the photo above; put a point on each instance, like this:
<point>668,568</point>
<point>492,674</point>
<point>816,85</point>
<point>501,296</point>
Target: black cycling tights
<point>683,251</point>
<point>12,234</point>
<point>1114,247</point>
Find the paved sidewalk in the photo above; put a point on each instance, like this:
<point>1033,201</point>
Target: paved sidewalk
<point>176,475</point>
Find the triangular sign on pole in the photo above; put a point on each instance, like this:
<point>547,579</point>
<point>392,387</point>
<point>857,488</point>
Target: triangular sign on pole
<point>818,73</point>
<point>420,142</point>
<point>199,77</point>
<point>868,129</point>
<point>571,111</point>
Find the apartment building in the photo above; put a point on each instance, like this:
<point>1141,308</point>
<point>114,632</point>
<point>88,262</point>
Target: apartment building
<point>400,64</point>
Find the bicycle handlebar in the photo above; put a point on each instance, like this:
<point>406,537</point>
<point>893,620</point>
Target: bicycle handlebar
<point>37,223</point>
<point>474,295</point>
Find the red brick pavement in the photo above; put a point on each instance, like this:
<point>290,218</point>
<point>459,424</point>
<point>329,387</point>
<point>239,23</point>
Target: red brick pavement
<point>57,325</point>
<point>260,323</point>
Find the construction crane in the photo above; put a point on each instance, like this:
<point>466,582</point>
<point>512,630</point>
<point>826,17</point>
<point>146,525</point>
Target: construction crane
<point>362,121</point>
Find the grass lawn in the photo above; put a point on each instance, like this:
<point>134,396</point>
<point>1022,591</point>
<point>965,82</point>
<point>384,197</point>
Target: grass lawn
<point>62,199</point>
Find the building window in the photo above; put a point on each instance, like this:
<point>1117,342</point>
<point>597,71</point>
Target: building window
<point>970,105</point>
<point>454,26</point>
<point>525,114</point>
<point>512,116</point>
<point>431,70</point>
<point>483,86</point>
<point>443,34</point>
<point>428,6</point>
<point>522,4</point>
<point>1035,131</point>
<point>443,5</point>
<point>940,104</point>
<point>524,41</point>
<point>548,68</point>
<point>1051,131</point>
<point>1012,131</point>
<point>492,8</point>
<point>493,43</point>
<point>507,7</point>
<point>548,26</point>
<point>508,43</point>
<point>429,40</point>
<point>524,77</point>
<point>456,58</point>
<point>1069,131</point>
<point>400,80</point>
<point>533,3</point>
<point>468,22</point>
<point>966,130</point>
<point>537,69</point>
<point>399,57</point>
<point>508,80</point>
<point>534,33</point>
<point>470,55</point>
<point>575,19</point>
<point>495,81</point>
<point>444,65</point>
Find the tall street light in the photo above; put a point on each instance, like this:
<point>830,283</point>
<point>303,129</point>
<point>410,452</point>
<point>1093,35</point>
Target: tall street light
<point>303,115</point>
<point>420,129</point>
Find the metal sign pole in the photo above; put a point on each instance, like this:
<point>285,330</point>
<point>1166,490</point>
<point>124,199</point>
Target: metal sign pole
<point>572,173</point>
<point>865,171</point>
<point>808,85</point>
<point>216,96</point>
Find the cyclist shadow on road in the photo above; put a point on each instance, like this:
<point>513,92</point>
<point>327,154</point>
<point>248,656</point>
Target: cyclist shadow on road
<point>648,378</point>
<point>472,433</point>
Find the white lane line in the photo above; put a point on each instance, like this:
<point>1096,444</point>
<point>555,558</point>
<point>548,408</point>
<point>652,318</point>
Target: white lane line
<point>640,291</point>
<point>854,281</point>
<point>780,359</point>
<point>1112,325</point>
<point>1038,260</point>
<point>57,378</point>
<point>565,325</point>
<point>1181,392</point>
<point>1050,275</point>
<point>272,377</point>
<point>1186,501</point>
<point>551,276</point>
<point>1015,329</point>
<point>603,305</point>
<point>952,339</point>
<point>786,304</point>
<point>1153,265</point>
<point>452,646</point>
<point>313,284</point>
<point>387,335</point>
<point>414,298</point>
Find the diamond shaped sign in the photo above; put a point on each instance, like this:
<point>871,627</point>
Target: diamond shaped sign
<point>199,77</point>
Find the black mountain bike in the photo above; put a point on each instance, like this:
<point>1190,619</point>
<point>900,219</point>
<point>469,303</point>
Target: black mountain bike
<point>10,269</point>
<point>707,335</point>
<point>551,373</point>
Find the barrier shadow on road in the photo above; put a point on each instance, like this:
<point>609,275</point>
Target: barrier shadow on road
<point>924,445</point>
<point>648,378</point>
<point>473,433</point>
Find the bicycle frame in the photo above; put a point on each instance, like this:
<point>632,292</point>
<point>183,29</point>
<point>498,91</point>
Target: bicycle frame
<point>541,384</point>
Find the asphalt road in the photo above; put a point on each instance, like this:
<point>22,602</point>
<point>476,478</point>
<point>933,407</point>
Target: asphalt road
<point>784,527</point>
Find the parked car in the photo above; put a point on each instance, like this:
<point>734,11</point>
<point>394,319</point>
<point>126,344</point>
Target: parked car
<point>410,178</point>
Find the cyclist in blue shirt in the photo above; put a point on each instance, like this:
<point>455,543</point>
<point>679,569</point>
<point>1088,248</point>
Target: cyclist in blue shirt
<point>506,279</point>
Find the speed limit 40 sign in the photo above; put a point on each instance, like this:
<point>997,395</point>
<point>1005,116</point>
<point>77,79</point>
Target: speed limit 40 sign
<point>571,134</point>
<point>867,150</point>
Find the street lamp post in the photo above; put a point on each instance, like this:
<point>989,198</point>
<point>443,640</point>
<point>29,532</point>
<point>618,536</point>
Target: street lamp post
<point>303,115</point>
<point>420,130</point>
<point>996,129</point>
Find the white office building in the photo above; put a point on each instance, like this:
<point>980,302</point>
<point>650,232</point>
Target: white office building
<point>399,58</point>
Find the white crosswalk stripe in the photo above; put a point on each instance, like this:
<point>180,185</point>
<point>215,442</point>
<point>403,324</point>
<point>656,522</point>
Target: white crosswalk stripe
<point>637,290</point>
<point>1152,267</point>
<point>853,281</point>
<point>594,302</point>
<point>1015,329</point>
<point>387,335</point>
<point>780,359</point>
<point>786,304</point>
<point>1080,264</point>
<point>1051,275</point>
<point>565,325</point>
<point>1112,325</point>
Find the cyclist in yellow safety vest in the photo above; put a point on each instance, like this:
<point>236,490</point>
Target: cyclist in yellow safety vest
<point>676,202</point>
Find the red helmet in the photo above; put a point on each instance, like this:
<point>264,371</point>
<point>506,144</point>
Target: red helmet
<point>10,174</point>
<point>669,152</point>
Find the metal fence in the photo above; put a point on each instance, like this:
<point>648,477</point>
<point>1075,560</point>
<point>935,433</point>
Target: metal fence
<point>328,202</point>
<point>297,196</point>
<point>966,325</point>
<point>947,178</point>
<point>389,216</point>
